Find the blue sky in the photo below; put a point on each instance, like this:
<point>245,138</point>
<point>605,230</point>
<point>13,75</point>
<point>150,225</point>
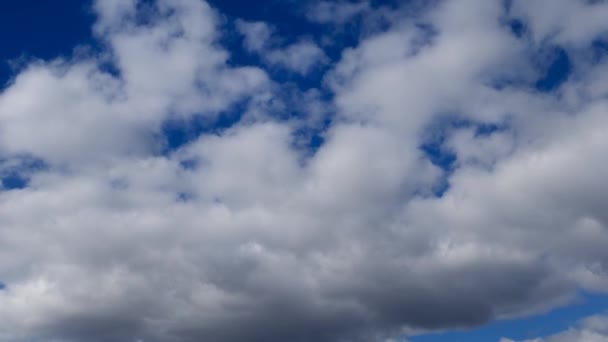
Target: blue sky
<point>531,327</point>
<point>358,170</point>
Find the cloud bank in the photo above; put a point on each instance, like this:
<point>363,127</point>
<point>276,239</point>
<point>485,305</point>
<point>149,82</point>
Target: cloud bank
<point>448,189</point>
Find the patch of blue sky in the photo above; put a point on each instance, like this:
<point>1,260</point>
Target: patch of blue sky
<point>15,174</point>
<point>434,148</point>
<point>517,27</point>
<point>289,20</point>
<point>529,327</point>
<point>599,49</point>
<point>47,36</point>
<point>179,131</point>
<point>13,181</point>
<point>557,71</point>
<point>437,153</point>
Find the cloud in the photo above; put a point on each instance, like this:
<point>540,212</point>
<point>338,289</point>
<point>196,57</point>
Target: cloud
<point>570,23</point>
<point>335,12</point>
<point>299,57</point>
<point>244,227</point>
<point>67,110</point>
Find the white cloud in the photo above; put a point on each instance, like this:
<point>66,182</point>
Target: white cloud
<point>299,57</point>
<point>335,12</point>
<point>568,22</point>
<point>115,242</point>
<point>257,35</point>
<point>63,111</point>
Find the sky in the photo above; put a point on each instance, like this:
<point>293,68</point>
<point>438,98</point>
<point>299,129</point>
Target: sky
<point>282,170</point>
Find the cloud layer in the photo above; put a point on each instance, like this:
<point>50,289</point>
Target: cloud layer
<point>447,191</point>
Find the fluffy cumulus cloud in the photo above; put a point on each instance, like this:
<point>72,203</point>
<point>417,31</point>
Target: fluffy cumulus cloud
<point>448,190</point>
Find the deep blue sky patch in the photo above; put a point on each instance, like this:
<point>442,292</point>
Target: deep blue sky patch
<point>557,71</point>
<point>517,27</point>
<point>42,29</point>
<point>13,181</point>
<point>15,174</point>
